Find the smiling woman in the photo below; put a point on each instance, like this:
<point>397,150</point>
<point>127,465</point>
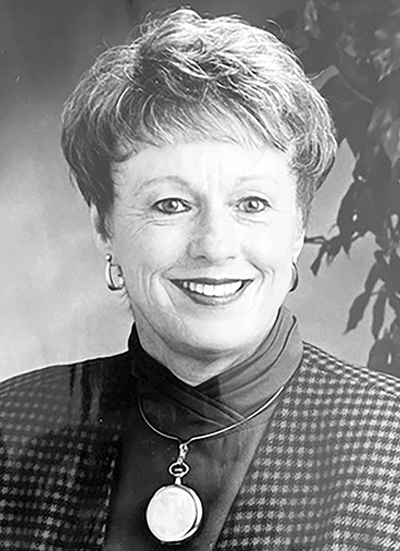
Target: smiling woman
<point>206,234</point>
<point>198,148</point>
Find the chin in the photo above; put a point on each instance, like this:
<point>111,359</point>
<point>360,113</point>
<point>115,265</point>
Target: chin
<point>218,339</point>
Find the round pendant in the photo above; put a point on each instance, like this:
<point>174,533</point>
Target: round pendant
<point>174,513</point>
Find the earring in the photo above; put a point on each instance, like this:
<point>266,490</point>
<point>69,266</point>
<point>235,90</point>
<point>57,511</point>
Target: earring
<point>109,275</point>
<point>295,279</point>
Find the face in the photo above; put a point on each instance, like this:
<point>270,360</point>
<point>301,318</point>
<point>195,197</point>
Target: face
<point>206,234</point>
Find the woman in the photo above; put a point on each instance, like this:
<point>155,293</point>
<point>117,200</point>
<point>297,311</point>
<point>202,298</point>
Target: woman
<point>198,148</point>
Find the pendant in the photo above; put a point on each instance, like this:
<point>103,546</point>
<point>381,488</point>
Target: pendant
<point>175,511</point>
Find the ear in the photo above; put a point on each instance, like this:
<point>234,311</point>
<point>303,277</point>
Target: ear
<point>298,243</point>
<point>103,243</point>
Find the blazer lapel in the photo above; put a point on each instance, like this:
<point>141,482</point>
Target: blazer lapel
<point>98,472</point>
<point>97,453</point>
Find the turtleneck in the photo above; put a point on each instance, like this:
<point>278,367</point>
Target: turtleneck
<point>217,465</point>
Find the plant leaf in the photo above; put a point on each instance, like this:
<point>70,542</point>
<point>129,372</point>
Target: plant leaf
<point>347,216</point>
<point>378,313</point>
<point>310,16</point>
<point>315,266</point>
<point>394,271</point>
<point>351,114</point>
<point>395,303</point>
<point>357,311</point>
<point>385,123</point>
<point>379,355</point>
<point>372,278</point>
<point>386,52</point>
<point>333,247</point>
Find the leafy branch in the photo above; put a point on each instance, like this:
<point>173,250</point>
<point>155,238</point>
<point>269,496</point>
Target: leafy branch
<point>353,50</point>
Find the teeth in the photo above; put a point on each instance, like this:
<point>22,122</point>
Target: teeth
<point>219,290</point>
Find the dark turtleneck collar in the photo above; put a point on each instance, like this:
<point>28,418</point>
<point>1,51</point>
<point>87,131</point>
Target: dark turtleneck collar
<point>227,397</point>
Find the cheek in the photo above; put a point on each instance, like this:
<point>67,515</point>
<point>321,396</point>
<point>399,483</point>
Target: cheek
<point>274,263</point>
<point>151,252</point>
<point>272,249</point>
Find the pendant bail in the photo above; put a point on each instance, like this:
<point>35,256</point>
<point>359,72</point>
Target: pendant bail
<point>183,450</point>
<point>179,468</point>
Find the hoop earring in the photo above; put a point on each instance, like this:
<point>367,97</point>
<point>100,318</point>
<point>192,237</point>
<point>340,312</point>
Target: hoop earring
<point>109,275</point>
<point>295,280</point>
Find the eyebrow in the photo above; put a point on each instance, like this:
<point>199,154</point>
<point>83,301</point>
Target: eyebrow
<point>175,179</point>
<point>260,177</point>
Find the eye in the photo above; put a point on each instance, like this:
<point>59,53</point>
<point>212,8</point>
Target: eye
<point>252,205</point>
<point>172,205</point>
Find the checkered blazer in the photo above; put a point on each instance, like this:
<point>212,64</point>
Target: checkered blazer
<point>326,476</point>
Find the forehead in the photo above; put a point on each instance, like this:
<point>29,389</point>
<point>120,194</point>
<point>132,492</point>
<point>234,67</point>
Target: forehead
<point>205,162</point>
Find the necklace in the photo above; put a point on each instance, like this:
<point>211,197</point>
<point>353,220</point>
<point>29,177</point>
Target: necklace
<point>175,511</point>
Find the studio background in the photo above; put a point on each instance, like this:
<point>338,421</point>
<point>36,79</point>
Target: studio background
<point>54,305</point>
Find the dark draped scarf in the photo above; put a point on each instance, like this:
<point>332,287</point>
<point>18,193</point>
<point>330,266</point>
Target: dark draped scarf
<point>217,465</point>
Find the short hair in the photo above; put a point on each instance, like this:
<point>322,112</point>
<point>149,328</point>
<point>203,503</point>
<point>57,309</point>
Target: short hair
<point>187,78</point>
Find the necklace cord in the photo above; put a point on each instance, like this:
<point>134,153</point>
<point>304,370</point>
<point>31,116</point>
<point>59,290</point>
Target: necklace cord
<point>215,433</point>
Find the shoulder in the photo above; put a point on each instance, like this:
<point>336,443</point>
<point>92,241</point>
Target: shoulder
<point>346,396</point>
<point>337,373</point>
<point>47,381</point>
<point>344,410</point>
<point>51,397</point>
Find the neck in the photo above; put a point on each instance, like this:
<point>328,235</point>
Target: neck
<point>191,367</point>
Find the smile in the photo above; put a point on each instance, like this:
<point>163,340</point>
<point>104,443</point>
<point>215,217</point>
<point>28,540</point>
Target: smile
<point>212,291</point>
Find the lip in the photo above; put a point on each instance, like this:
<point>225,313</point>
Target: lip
<point>212,300</point>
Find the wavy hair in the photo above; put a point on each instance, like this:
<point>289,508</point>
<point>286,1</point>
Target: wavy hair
<point>189,78</point>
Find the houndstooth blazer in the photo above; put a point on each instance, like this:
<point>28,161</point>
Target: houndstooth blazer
<point>326,476</point>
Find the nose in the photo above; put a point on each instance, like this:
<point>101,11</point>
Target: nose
<point>214,237</point>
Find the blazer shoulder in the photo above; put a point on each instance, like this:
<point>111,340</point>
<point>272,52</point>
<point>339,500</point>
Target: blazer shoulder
<point>358,376</point>
<point>62,395</point>
<point>57,376</point>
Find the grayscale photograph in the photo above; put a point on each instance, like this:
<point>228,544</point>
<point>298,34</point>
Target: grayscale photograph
<point>200,275</point>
